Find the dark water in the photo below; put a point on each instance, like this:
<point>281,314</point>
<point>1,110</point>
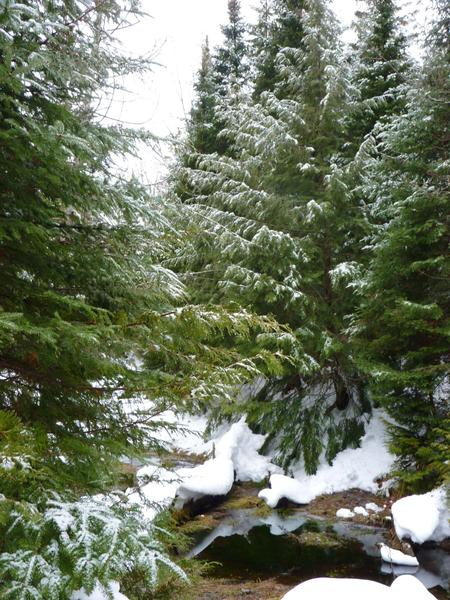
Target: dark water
<point>294,546</point>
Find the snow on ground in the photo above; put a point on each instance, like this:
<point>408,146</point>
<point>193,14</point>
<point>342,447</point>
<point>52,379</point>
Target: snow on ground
<point>360,510</point>
<point>405,586</point>
<point>374,507</point>
<point>396,557</point>
<point>235,455</point>
<point>345,513</point>
<point>100,594</point>
<point>215,477</point>
<point>241,446</point>
<point>157,489</point>
<point>352,468</point>
<point>189,437</point>
<point>422,517</point>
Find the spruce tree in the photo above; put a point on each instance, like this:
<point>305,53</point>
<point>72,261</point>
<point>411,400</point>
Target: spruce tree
<point>96,337</point>
<point>203,127</point>
<point>230,58</point>
<point>285,247</point>
<point>222,75</point>
<point>380,67</point>
<point>406,307</point>
<point>279,26</point>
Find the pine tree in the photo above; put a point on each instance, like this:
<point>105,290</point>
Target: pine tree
<point>285,247</point>
<point>203,127</point>
<point>380,67</point>
<point>405,314</point>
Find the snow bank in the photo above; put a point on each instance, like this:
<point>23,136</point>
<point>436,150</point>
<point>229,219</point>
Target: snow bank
<point>352,468</point>
<point>99,593</point>
<point>422,517</point>
<point>285,487</point>
<point>241,446</point>
<point>236,452</point>
<point>214,477</point>
<point>405,586</point>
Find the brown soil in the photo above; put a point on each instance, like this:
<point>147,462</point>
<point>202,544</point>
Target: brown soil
<point>226,589</point>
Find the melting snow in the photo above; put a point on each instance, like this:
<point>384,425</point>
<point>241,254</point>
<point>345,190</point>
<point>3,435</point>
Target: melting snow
<point>422,517</point>
<point>352,468</point>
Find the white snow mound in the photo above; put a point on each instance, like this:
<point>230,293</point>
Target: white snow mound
<point>214,477</point>
<point>352,468</point>
<point>99,593</point>
<point>395,557</point>
<point>284,487</point>
<point>405,586</point>
<point>345,513</point>
<point>241,446</point>
<point>360,510</point>
<point>236,452</point>
<point>422,517</point>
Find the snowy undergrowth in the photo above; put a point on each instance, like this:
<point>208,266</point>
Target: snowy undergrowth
<point>352,468</point>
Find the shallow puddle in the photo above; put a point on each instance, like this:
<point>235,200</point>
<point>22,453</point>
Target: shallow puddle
<point>293,546</point>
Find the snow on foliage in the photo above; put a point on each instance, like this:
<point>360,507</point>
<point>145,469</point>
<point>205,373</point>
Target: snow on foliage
<point>99,593</point>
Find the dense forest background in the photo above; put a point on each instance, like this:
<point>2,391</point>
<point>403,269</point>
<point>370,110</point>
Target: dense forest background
<point>300,253</point>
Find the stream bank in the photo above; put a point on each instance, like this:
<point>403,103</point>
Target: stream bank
<point>259,553</point>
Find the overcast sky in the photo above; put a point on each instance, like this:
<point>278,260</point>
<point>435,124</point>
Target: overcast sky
<point>176,29</point>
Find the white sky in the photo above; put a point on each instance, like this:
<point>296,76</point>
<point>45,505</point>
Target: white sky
<point>176,29</point>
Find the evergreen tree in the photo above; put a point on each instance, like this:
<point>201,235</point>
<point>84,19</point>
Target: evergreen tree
<point>406,309</point>
<point>220,79</point>
<point>203,127</point>
<point>279,26</point>
<point>286,246</point>
<point>380,68</point>
<point>96,338</point>
<point>230,59</point>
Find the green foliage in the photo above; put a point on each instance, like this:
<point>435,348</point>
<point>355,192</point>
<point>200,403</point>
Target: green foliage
<point>380,68</point>
<point>277,224</point>
<point>96,337</point>
<point>405,315</point>
<point>65,546</point>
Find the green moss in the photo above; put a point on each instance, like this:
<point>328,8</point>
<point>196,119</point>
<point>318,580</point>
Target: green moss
<point>202,523</point>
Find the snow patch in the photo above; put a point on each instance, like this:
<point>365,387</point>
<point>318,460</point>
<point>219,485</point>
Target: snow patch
<point>99,593</point>
<point>284,487</point>
<point>345,513</point>
<point>390,555</point>
<point>352,468</point>
<point>422,517</point>
<point>360,510</point>
<point>374,507</point>
<point>236,452</point>
<point>405,586</point>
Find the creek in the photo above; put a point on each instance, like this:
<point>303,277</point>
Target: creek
<point>292,546</point>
